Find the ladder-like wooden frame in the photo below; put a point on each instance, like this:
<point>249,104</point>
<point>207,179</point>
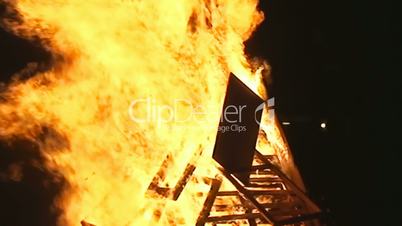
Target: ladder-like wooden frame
<point>292,205</point>
<point>288,203</point>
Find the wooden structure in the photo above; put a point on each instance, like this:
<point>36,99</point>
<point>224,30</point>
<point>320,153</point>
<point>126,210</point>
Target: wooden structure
<point>269,197</point>
<point>263,193</point>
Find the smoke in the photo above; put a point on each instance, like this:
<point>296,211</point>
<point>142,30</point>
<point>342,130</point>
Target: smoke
<point>27,189</point>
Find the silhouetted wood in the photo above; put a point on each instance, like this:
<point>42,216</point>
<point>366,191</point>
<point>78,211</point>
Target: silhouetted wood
<point>84,223</point>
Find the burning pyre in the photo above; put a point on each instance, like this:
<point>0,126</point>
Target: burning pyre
<point>132,81</point>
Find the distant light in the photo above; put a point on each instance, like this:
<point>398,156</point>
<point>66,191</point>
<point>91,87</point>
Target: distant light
<point>285,123</point>
<point>323,125</point>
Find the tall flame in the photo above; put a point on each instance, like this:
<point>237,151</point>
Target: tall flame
<point>108,55</point>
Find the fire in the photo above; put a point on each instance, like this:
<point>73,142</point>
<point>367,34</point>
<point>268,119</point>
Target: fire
<point>108,55</point>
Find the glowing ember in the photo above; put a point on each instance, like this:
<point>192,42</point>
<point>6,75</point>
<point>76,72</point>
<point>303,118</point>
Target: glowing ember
<point>132,81</point>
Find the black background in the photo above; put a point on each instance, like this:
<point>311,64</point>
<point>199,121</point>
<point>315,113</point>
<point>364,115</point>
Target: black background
<point>333,61</point>
<point>339,62</point>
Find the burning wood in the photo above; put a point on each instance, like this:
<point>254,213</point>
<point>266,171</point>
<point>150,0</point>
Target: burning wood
<point>84,223</point>
<point>167,192</point>
<point>109,58</point>
<point>264,194</point>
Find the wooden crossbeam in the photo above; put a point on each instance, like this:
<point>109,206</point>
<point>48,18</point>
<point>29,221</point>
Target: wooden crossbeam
<point>209,202</point>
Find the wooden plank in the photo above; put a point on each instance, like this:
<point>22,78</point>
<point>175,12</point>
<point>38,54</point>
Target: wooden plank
<point>183,181</point>
<point>256,192</point>
<point>234,150</point>
<point>292,204</point>
<point>246,195</point>
<point>154,187</point>
<point>209,202</point>
<point>266,185</point>
<point>265,179</point>
<point>84,223</point>
<point>249,209</point>
<point>233,217</point>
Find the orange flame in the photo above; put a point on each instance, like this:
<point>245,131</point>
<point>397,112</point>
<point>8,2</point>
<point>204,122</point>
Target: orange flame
<point>119,58</point>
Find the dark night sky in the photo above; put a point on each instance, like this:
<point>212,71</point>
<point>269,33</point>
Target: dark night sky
<point>338,61</point>
<point>331,60</point>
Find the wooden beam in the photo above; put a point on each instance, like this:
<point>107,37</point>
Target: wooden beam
<point>209,202</point>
